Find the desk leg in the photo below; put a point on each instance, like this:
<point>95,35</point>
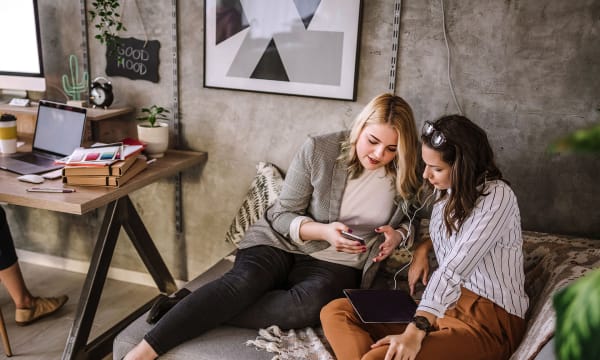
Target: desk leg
<point>118,213</point>
<point>134,227</point>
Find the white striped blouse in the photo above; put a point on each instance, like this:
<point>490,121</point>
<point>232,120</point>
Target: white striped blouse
<point>485,255</point>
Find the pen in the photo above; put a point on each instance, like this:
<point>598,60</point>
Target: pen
<point>51,190</point>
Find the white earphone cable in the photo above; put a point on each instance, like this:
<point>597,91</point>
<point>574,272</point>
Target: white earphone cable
<point>404,244</point>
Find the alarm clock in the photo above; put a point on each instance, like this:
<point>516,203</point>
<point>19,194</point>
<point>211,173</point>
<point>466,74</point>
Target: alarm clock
<point>101,94</point>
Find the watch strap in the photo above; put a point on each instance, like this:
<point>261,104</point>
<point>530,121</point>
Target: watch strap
<point>422,323</point>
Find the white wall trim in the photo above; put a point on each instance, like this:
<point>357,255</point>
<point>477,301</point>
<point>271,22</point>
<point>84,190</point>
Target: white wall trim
<point>82,267</point>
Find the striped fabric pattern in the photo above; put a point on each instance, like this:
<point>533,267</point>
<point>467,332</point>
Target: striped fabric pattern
<point>485,256</point>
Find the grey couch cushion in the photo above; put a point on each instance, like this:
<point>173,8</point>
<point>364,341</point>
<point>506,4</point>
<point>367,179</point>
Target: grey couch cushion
<point>547,352</point>
<point>222,343</point>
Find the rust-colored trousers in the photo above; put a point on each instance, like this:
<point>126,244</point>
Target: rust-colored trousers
<point>475,328</point>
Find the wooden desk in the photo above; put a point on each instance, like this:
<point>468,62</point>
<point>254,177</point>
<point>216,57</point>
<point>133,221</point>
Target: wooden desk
<point>120,212</point>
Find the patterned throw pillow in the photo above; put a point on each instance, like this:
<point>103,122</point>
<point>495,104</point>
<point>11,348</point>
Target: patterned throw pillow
<point>264,189</point>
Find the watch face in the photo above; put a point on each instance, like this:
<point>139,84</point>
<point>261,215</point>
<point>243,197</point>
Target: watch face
<point>98,96</point>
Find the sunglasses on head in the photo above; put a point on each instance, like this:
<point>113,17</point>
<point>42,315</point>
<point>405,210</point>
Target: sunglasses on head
<point>436,137</point>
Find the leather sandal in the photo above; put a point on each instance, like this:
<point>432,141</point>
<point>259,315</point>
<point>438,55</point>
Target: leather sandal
<point>41,307</point>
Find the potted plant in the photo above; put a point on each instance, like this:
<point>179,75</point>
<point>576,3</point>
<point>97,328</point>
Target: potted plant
<point>154,131</point>
<point>577,305</point>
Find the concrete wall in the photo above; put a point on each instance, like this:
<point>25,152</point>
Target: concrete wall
<point>526,71</point>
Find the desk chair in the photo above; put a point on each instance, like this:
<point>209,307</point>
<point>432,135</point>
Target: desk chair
<point>4,335</point>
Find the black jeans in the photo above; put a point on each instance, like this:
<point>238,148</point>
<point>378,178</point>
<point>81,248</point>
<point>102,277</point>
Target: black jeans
<point>8,256</point>
<point>266,286</point>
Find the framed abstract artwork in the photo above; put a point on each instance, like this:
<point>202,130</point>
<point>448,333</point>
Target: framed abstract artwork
<point>294,47</point>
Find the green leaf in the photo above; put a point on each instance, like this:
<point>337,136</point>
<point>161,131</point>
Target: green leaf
<point>584,140</point>
<point>578,318</point>
<point>106,16</point>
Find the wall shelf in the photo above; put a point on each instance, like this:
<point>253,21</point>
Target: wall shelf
<point>103,125</point>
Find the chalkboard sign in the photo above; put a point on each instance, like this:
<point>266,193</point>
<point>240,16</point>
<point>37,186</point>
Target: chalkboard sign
<point>133,60</point>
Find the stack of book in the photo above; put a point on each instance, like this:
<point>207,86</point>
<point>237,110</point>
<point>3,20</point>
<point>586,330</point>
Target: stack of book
<point>94,167</point>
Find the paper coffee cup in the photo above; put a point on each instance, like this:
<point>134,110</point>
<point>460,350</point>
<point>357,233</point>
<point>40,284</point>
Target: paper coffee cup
<point>8,134</point>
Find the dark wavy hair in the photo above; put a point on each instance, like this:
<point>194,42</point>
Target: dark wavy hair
<point>468,152</point>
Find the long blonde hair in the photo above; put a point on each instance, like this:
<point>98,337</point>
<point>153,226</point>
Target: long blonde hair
<point>394,111</point>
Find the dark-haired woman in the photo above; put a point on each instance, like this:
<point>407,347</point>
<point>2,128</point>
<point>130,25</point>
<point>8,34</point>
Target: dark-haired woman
<point>474,304</point>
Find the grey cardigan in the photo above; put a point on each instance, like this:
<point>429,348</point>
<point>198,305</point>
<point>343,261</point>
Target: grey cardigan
<point>313,186</point>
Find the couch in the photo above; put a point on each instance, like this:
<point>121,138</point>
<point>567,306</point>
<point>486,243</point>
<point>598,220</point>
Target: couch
<point>551,262</point>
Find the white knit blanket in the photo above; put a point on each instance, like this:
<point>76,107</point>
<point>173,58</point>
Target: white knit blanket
<point>307,343</point>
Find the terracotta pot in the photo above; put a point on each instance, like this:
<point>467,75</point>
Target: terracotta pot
<point>156,138</point>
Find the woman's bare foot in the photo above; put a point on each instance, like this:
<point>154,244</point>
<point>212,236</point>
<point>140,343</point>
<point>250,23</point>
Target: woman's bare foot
<point>142,351</point>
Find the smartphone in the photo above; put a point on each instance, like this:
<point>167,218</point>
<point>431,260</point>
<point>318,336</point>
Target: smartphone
<point>347,235</point>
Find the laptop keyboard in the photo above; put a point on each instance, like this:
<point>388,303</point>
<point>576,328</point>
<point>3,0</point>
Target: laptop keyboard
<point>33,159</point>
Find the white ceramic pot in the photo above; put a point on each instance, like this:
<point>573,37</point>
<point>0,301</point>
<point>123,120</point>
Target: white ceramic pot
<point>156,138</point>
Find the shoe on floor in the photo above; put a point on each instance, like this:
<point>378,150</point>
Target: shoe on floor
<point>41,307</point>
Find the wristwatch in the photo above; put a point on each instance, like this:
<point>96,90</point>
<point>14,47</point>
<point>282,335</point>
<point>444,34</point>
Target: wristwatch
<point>422,323</point>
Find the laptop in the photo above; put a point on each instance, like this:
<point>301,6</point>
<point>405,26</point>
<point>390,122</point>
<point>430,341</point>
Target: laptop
<point>58,132</point>
<point>382,305</point>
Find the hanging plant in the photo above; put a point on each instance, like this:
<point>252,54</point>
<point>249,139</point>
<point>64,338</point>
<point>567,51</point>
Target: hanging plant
<point>108,23</point>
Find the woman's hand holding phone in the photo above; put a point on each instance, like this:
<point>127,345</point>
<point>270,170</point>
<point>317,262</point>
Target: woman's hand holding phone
<point>332,233</point>
<point>351,243</point>
<point>351,236</point>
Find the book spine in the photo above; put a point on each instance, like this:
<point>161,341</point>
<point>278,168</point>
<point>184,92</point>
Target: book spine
<point>113,181</point>
<point>86,171</point>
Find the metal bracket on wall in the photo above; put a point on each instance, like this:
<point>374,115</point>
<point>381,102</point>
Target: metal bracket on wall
<point>395,46</point>
<point>180,244</point>
<point>84,37</point>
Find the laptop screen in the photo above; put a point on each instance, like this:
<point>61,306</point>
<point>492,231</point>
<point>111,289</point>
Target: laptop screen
<point>59,128</point>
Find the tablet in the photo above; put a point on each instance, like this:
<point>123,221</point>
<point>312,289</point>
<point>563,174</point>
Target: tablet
<point>382,305</point>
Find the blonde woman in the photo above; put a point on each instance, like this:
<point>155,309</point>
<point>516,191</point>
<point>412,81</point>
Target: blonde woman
<point>295,259</point>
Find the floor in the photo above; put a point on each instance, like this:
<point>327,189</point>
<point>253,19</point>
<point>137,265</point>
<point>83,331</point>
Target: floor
<point>46,338</point>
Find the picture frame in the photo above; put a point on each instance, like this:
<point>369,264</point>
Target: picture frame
<point>304,47</point>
